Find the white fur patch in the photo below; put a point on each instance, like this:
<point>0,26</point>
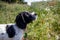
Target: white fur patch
<point>4,36</point>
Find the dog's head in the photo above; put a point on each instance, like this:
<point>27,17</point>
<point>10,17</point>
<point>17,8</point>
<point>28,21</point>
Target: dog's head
<point>24,18</point>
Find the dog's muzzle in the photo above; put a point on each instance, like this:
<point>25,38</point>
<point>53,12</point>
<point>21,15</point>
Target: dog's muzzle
<point>34,15</point>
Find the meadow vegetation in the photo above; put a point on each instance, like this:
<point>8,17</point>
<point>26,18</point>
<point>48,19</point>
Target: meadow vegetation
<point>47,25</point>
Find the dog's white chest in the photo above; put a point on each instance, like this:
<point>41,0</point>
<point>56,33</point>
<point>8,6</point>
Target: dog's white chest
<point>4,36</point>
<point>19,34</point>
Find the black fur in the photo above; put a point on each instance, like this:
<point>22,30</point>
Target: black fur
<point>27,17</point>
<point>10,31</point>
<point>20,23</point>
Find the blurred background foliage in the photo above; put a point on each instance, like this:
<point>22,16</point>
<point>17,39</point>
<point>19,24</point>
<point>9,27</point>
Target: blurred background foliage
<point>46,27</point>
<point>14,1</point>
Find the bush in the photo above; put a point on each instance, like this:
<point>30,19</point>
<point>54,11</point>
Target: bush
<point>13,1</point>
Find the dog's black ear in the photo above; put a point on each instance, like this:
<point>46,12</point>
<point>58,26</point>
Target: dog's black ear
<point>10,31</point>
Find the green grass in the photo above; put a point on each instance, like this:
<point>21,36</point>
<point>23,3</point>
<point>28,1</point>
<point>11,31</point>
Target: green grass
<point>47,22</point>
<point>9,11</point>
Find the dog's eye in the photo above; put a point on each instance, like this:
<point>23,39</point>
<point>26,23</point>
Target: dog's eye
<point>27,15</point>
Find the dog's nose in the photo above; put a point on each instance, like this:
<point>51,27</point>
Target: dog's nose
<point>35,14</point>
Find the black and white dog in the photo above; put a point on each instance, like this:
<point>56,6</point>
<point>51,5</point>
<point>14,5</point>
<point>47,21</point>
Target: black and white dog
<point>16,31</point>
